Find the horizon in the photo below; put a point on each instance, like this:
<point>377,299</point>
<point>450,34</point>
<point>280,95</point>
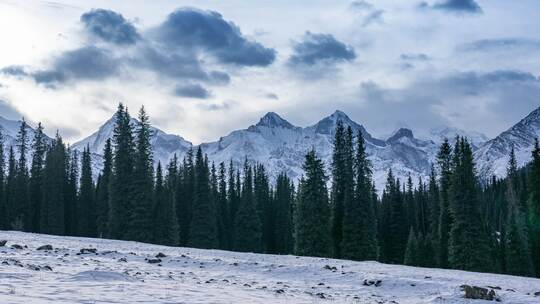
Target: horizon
<point>450,65</point>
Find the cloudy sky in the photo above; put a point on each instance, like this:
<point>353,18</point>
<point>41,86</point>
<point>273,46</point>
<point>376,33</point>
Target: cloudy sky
<point>205,68</point>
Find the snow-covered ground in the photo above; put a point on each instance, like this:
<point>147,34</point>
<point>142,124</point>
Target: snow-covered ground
<point>120,272</point>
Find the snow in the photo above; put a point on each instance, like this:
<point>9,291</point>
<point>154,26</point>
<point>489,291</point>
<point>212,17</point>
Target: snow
<point>119,273</point>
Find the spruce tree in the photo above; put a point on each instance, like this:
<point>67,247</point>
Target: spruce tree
<point>411,251</point>
<point>534,206</point>
<point>312,234</point>
<point>359,220</point>
<point>21,219</point>
<point>247,223</point>
<point>3,207</point>
<point>70,193</point>
<point>39,148</point>
<point>184,198</point>
<point>10,188</point>
<point>86,207</point>
<point>165,224</point>
<point>469,242</point>
<point>223,212</point>
<point>54,184</point>
<point>233,200</point>
<point>103,190</point>
<point>265,208</point>
<point>284,206</point>
<point>434,211</point>
<point>203,228</point>
<point>121,180</point>
<point>140,207</point>
<point>444,162</point>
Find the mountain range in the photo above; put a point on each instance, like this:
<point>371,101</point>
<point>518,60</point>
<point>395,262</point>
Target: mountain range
<point>281,146</point>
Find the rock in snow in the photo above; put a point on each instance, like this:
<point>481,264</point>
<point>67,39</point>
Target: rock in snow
<point>256,278</point>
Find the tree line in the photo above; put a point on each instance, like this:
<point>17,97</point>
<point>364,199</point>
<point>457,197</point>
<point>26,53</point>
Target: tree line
<point>449,221</point>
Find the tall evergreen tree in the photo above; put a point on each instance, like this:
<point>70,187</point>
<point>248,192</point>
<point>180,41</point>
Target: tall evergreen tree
<point>165,225</point>
<point>54,184</point>
<point>86,207</point>
<point>312,234</point>
<point>184,198</point>
<point>21,209</point>
<point>265,208</point>
<point>469,242</point>
<point>103,190</point>
<point>121,180</point>
<point>10,188</point>
<point>359,220</point>
<point>444,162</point>
<point>284,206</point>
<point>39,148</point>
<point>247,223</point>
<point>534,206</point>
<point>3,208</point>
<point>203,230</point>
<point>70,192</point>
<point>233,201</point>
<point>140,208</point>
<point>223,212</point>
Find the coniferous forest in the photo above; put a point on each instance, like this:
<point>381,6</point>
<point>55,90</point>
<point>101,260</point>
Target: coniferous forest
<point>453,220</point>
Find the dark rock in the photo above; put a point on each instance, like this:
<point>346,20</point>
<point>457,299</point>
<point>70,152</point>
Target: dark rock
<point>160,255</point>
<point>3,243</point>
<point>537,294</point>
<point>45,247</point>
<point>16,246</point>
<point>122,260</point>
<point>375,283</point>
<point>280,291</point>
<point>479,293</point>
<point>88,250</point>
<point>154,261</point>
<point>328,267</point>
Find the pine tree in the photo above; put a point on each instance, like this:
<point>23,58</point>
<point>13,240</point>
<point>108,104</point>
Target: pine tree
<point>411,251</point>
<point>444,162</point>
<point>359,220</point>
<point>203,230</point>
<point>223,212</point>
<point>121,180</point>
<point>342,183</point>
<point>184,198</point>
<point>534,206</point>
<point>312,234</point>
<point>140,210</point>
<point>469,242</point>
<point>434,211</point>
<point>10,188</point>
<point>86,208</point>
<point>54,184</point>
<point>39,148</point>
<point>21,209</point>
<point>233,200</point>
<point>247,223</point>
<point>165,225</point>
<point>103,191</point>
<point>265,208</point>
<point>3,207</point>
<point>284,206</point>
<point>70,193</point>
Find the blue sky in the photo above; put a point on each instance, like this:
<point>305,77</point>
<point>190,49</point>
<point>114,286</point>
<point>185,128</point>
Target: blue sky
<point>204,68</point>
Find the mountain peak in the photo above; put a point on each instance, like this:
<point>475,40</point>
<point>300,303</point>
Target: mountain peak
<point>273,120</point>
<point>402,132</point>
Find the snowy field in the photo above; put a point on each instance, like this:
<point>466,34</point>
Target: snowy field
<point>124,272</point>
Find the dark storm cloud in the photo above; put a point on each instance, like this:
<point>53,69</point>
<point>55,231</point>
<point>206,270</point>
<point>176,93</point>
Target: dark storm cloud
<point>14,70</point>
<point>455,6</point>
<point>192,91</point>
<point>87,63</point>
<point>320,48</point>
<point>505,44</point>
<point>208,32</point>
<point>505,95</point>
<point>110,26</point>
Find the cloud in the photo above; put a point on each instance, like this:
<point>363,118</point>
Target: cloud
<point>110,27</point>
<point>86,63</point>
<point>192,91</point>
<point>9,111</point>
<point>320,48</point>
<point>361,5</point>
<point>455,6</point>
<point>272,96</point>
<point>414,57</point>
<point>504,44</point>
<point>207,32</point>
<point>461,99</point>
<point>14,70</point>
<point>373,17</point>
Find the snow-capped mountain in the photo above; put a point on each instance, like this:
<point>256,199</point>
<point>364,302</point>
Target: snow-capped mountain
<point>492,158</point>
<point>281,146</point>
<point>164,145</point>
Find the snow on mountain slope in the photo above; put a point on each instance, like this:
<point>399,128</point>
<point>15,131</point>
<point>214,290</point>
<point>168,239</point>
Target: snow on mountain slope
<point>492,158</point>
<point>438,135</point>
<point>122,272</point>
<point>164,145</point>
